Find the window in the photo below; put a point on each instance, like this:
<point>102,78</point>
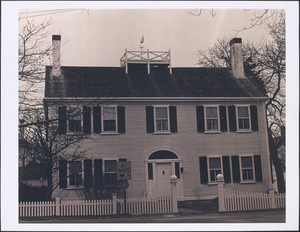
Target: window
<point>212,118</point>
<point>161,119</point>
<point>109,119</point>
<point>75,173</point>
<point>110,172</point>
<point>247,168</point>
<point>74,120</point>
<point>214,164</point>
<point>243,117</point>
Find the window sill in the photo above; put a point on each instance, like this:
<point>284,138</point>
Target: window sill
<point>162,133</point>
<point>110,133</point>
<point>212,132</point>
<point>248,182</point>
<point>244,131</point>
<point>212,183</point>
<point>75,187</point>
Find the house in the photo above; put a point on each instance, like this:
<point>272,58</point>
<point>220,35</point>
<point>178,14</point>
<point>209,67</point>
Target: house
<point>191,122</point>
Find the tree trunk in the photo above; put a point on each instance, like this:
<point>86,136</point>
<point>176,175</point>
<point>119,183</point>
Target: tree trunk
<point>277,164</point>
<point>50,183</point>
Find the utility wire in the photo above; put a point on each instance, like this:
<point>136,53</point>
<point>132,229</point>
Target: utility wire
<point>48,14</point>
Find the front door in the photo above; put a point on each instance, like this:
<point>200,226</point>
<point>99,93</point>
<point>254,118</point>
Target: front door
<point>163,174</point>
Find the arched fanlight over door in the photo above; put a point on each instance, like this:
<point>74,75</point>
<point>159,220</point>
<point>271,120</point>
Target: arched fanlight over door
<point>163,155</point>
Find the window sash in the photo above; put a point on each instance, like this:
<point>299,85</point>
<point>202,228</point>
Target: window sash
<point>214,168</point>
<point>243,117</point>
<point>74,125</point>
<point>162,118</point>
<point>109,119</point>
<point>75,173</point>
<point>212,122</point>
<point>247,168</point>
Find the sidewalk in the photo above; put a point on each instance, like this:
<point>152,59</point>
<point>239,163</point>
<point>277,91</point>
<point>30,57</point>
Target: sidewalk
<point>184,216</point>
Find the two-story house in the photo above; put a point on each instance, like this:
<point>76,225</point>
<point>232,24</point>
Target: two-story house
<point>192,122</point>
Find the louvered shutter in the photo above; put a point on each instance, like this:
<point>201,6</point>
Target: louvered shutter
<point>235,169</point>
<point>62,119</point>
<point>226,169</point>
<point>200,118</point>
<point>149,119</point>
<point>177,170</point>
<point>88,176</point>
<point>258,168</point>
<point>232,118</point>
<point>254,119</point>
<point>97,119</point>
<point>62,174</point>
<point>86,120</point>
<point>98,173</point>
<point>203,170</point>
<point>223,118</point>
<point>173,119</point>
<point>121,119</point>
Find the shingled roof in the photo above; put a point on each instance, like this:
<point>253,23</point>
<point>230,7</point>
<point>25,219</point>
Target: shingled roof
<point>114,82</point>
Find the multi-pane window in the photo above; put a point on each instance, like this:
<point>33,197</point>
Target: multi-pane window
<point>243,116</point>
<point>109,119</point>
<point>247,168</point>
<point>214,164</point>
<point>110,172</point>
<point>75,120</point>
<point>161,119</point>
<point>212,118</point>
<point>75,173</point>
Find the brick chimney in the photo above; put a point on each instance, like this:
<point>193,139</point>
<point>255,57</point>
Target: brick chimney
<point>56,41</point>
<point>236,57</point>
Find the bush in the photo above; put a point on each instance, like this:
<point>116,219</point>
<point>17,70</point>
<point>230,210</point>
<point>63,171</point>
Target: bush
<point>29,193</point>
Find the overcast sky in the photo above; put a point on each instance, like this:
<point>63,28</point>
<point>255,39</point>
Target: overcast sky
<point>95,37</point>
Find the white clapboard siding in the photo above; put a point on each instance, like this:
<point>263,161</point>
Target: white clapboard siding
<point>235,200</point>
<point>144,205</point>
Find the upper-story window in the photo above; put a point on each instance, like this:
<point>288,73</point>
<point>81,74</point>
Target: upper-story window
<point>161,118</point>
<point>74,122</point>
<point>109,119</point>
<point>212,122</point>
<point>243,118</point>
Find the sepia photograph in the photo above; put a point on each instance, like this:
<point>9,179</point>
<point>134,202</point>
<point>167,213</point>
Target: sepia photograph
<point>148,117</point>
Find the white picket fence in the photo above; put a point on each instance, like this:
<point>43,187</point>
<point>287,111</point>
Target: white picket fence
<point>235,200</point>
<point>66,208</point>
<point>134,206</point>
<point>144,205</point>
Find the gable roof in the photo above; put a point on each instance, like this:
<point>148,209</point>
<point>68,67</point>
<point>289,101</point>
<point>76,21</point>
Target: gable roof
<point>114,82</point>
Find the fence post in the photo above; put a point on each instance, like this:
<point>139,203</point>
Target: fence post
<point>220,180</point>
<point>173,181</point>
<point>272,198</point>
<point>114,202</point>
<point>57,206</point>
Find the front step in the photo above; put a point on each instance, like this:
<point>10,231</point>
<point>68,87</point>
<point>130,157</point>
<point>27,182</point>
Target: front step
<point>198,206</point>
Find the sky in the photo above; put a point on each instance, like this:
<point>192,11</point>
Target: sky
<point>93,37</point>
<point>99,38</point>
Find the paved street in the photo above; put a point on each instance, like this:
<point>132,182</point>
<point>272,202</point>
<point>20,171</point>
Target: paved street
<point>183,217</point>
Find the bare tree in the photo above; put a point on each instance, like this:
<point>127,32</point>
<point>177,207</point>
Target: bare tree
<point>264,64</point>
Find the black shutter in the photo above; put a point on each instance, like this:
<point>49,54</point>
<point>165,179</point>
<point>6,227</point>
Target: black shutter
<point>203,170</point>
<point>254,119</point>
<point>62,174</point>
<point>97,119</point>
<point>177,170</point>
<point>62,119</point>
<point>173,119</point>
<point>223,118</point>
<point>149,119</point>
<point>150,171</point>
<point>121,119</point>
<point>88,177</point>
<point>232,118</point>
<point>98,173</point>
<point>235,169</point>
<point>200,118</point>
<point>226,169</point>
<point>258,168</point>
<point>86,120</point>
